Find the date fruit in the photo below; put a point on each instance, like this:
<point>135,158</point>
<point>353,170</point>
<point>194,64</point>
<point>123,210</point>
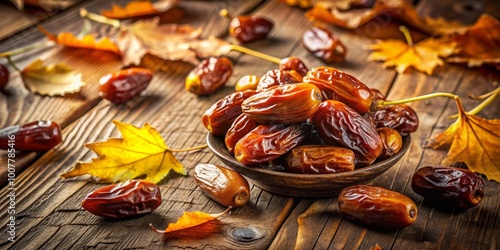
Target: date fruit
<point>294,63</point>
<point>460,188</point>
<point>338,124</point>
<point>121,86</point>
<point>377,207</point>
<point>250,28</point>
<point>324,45</point>
<point>247,82</point>
<point>391,140</point>
<point>287,104</point>
<point>268,142</point>
<point>240,127</point>
<point>225,186</point>
<point>124,200</point>
<point>33,136</point>
<point>319,159</point>
<point>278,77</point>
<point>337,85</point>
<point>4,76</point>
<point>210,75</point>
<point>400,117</point>
<point>221,115</point>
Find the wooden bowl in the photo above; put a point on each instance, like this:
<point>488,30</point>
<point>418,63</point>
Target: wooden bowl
<point>304,185</point>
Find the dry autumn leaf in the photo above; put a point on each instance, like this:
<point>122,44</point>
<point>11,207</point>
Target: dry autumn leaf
<point>194,224</point>
<point>141,152</point>
<point>138,9</point>
<point>480,44</point>
<point>474,141</point>
<point>423,56</point>
<point>51,80</point>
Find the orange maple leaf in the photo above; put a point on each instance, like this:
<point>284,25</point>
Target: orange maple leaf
<point>191,221</point>
<point>474,141</point>
<point>138,9</point>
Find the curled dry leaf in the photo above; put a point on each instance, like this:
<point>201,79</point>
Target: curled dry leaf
<point>51,80</point>
<point>141,152</point>
<point>474,141</point>
<point>138,9</point>
<point>423,56</point>
<point>480,44</point>
<point>193,224</point>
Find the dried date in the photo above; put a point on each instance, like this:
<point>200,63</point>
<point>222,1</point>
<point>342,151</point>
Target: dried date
<point>391,140</point>
<point>294,63</point>
<point>400,117</point>
<point>278,77</point>
<point>4,76</point>
<point>377,207</point>
<point>124,200</point>
<point>240,127</point>
<point>460,188</point>
<point>250,28</point>
<point>121,86</point>
<point>319,159</point>
<point>324,45</point>
<point>219,117</point>
<point>268,142</point>
<point>287,104</point>
<point>225,186</point>
<point>337,85</point>
<point>33,136</point>
<point>210,75</point>
<point>247,82</point>
<point>338,124</point>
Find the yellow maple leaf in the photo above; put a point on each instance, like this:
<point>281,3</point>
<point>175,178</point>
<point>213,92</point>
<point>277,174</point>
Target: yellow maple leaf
<point>474,141</point>
<point>141,152</point>
<point>52,79</point>
<point>423,56</point>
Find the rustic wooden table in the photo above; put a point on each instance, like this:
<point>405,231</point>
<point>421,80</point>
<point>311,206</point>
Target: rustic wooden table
<point>48,214</point>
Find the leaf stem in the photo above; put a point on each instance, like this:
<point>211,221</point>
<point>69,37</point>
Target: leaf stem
<point>407,35</point>
<point>417,98</point>
<point>12,64</point>
<point>100,19</point>
<point>190,149</point>
<point>26,48</point>
<point>255,53</point>
<point>491,97</point>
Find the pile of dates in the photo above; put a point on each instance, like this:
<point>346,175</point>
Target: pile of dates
<point>315,121</point>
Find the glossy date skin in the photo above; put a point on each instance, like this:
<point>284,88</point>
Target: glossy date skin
<point>391,140</point>
<point>124,200</point>
<point>277,77</point>
<point>33,136</point>
<point>400,117</point>
<point>324,45</point>
<point>240,127</point>
<point>221,115</point>
<point>268,142</point>
<point>338,124</point>
<point>247,82</point>
<point>287,104</point>
<point>377,207</point>
<point>209,76</point>
<point>225,186</point>
<point>337,85</point>
<point>121,86</point>
<point>294,63</point>
<point>460,188</point>
<point>319,159</point>
<point>250,28</point>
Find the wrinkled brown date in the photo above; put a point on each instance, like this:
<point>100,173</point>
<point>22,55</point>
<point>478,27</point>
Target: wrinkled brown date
<point>324,45</point>
<point>247,82</point>
<point>460,188</point>
<point>124,200</point>
<point>290,103</point>
<point>4,76</point>
<point>250,28</point>
<point>219,117</point>
<point>225,186</point>
<point>319,159</point>
<point>377,207</point>
<point>337,85</point>
<point>294,63</point>
<point>338,124</point>
<point>278,77</point>
<point>268,142</point>
<point>400,117</point>
<point>210,75</point>
<point>121,86</point>
<point>391,140</point>
<point>33,136</point>
<point>240,127</point>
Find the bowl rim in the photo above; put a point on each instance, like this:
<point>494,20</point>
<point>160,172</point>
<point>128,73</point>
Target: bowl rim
<point>212,140</point>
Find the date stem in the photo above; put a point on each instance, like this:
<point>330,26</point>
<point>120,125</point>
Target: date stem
<point>225,13</point>
<point>255,53</point>
<point>190,149</point>
<point>100,19</point>
<point>417,98</point>
<point>490,98</point>
<point>407,35</point>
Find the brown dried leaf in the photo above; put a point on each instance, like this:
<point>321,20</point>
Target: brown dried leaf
<point>51,80</point>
